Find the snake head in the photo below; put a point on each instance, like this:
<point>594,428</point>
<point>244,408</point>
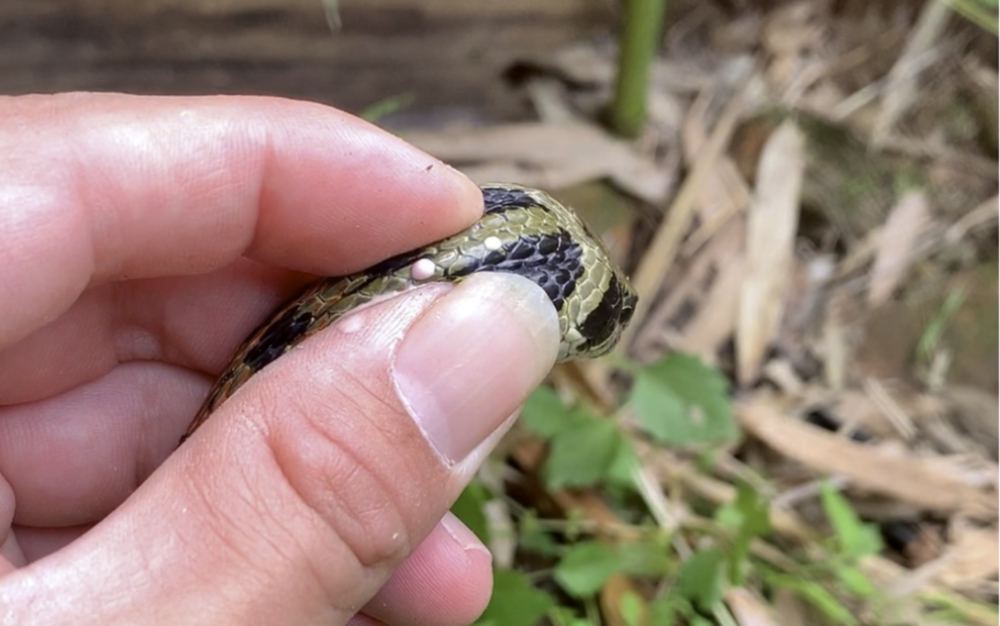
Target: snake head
<point>548,243</point>
<point>600,328</point>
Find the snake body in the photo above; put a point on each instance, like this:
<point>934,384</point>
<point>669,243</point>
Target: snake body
<point>523,231</point>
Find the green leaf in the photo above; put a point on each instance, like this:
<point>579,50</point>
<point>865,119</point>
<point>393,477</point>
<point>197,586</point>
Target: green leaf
<point>386,106</point>
<point>931,337</point>
<point>855,581</point>
<point>701,578</point>
<point>683,402</point>
<point>545,413</point>
<point>754,520</point>
<point>621,470</point>
<point>630,607</point>
<point>728,516</point>
<point>646,558</point>
<point>816,595</point>
<point>854,538</point>
<point>666,609</point>
<point>565,616</point>
<point>754,511</point>
<point>586,567</point>
<point>470,509</point>
<point>573,525</point>
<point>583,455</point>
<point>515,602</point>
<point>539,542</point>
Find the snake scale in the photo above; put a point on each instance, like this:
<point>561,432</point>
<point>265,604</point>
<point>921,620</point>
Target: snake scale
<point>522,231</point>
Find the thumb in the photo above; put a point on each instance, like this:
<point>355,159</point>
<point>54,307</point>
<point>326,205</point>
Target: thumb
<point>298,498</point>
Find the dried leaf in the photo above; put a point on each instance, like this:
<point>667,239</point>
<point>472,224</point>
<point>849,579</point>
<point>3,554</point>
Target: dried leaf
<point>702,304</point>
<point>896,246</point>
<point>972,558</point>
<point>546,155</point>
<point>748,609</point>
<point>619,597</point>
<point>907,478</point>
<point>772,220</point>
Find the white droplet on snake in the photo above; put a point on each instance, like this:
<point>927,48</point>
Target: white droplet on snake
<point>492,243</point>
<point>422,269</point>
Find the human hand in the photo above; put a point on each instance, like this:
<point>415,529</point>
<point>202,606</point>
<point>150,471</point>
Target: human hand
<point>140,240</point>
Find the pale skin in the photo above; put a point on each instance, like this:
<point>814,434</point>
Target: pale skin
<point>140,240</point>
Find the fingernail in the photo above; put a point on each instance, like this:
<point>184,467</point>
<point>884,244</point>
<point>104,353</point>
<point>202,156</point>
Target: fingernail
<point>462,535</point>
<point>473,358</point>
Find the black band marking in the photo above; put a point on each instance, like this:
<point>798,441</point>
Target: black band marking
<point>502,199</point>
<point>612,313</point>
<point>280,334</point>
<point>552,261</point>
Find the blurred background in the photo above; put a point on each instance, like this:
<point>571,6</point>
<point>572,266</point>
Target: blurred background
<point>449,57</point>
<point>801,426</point>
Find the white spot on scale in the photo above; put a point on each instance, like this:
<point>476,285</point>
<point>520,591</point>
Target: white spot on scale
<point>422,269</point>
<point>492,243</point>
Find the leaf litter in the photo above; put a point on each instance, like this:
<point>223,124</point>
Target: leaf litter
<point>813,222</point>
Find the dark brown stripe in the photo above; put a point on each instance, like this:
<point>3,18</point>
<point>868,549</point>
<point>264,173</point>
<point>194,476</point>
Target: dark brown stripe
<point>281,333</point>
<point>613,311</point>
<point>501,199</point>
<point>552,261</point>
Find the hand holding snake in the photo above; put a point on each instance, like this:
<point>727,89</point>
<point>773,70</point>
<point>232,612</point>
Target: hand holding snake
<point>142,239</point>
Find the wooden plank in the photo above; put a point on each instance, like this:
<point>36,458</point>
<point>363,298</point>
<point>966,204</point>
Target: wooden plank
<point>443,53</point>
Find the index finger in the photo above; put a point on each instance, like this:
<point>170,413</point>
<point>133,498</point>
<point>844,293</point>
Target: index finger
<point>102,187</point>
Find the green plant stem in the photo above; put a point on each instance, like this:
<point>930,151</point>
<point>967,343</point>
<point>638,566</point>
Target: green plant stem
<point>642,22</point>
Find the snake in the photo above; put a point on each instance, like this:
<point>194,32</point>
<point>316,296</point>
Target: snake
<point>522,231</point>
